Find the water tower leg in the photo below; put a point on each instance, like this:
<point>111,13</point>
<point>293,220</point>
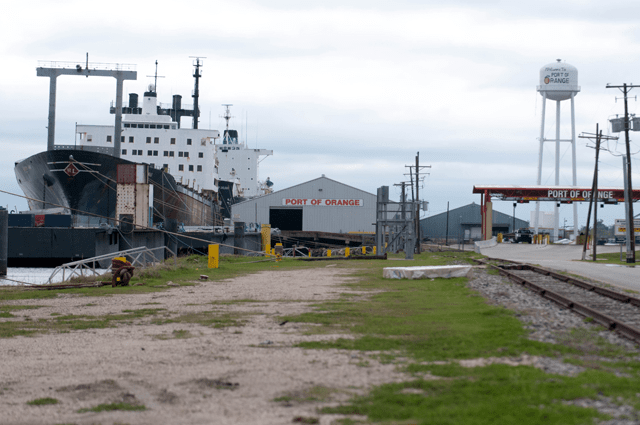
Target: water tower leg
<point>556,210</point>
<point>575,173</point>
<point>539,181</point>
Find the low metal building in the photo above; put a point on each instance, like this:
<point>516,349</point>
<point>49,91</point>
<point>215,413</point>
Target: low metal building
<point>322,205</point>
<point>466,222</point>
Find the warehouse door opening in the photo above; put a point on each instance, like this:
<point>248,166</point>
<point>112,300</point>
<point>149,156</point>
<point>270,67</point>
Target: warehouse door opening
<point>286,218</point>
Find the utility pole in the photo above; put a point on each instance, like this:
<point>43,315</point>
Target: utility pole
<point>594,192</point>
<point>417,198</point>
<point>446,240</point>
<point>418,239</point>
<point>631,237</point>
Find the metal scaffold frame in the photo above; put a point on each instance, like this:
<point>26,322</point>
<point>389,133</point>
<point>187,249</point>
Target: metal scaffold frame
<point>395,230</point>
<point>139,257</point>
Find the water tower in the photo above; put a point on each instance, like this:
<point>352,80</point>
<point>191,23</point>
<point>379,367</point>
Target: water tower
<point>558,81</point>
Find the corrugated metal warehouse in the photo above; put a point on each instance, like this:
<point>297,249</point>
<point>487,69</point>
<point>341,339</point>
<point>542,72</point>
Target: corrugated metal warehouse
<point>322,205</point>
<point>466,222</point>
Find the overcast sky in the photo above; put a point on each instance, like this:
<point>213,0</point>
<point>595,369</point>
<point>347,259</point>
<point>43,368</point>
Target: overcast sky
<point>349,89</point>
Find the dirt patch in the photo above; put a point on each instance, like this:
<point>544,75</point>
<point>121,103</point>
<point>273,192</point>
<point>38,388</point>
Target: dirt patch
<point>184,372</point>
<point>91,391</point>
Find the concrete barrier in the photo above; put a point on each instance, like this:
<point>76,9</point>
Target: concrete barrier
<point>485,244</point>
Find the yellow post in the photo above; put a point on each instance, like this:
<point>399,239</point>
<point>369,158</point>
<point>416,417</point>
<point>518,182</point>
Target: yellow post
<point>328,253</point>
<point>265,231</point>
<point>548,239</point>
<point>347,251</point>
<point>499,237</point>
<point>374,250</point>
<point>309,253</point>
<point>214,256</point>
<point>364,250</point>
<point>273,251</point>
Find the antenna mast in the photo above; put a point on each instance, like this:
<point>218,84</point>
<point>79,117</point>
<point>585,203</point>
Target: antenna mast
<point>196,90</point>
<point>227,113</point>
<point>155,78</point>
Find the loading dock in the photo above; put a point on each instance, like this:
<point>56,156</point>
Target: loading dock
<point>286,218</point>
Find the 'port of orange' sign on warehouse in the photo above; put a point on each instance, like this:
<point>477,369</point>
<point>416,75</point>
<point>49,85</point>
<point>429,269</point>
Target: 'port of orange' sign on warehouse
<point>289,202</point>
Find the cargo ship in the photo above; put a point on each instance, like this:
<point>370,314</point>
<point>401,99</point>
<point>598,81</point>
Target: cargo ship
<point>177,166</point>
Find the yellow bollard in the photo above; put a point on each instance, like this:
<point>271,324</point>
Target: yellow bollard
<point>265,231</point>
<point>214,256</point>
<point>374,250</point>
<point>499,237</point>
<point>309,253</point>
<point>328,253</point>
<point>273,251</point>
<point>347,251</point>
<point>364,250</point>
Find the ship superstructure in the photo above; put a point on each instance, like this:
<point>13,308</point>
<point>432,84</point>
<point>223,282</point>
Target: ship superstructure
<point>237,162</point>
<point>189,155</point>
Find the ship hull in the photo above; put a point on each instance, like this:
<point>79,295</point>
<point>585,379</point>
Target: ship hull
<point>83,183</point>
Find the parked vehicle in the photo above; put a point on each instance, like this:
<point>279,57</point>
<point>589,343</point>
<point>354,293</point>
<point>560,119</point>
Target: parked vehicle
<point>523,236</point>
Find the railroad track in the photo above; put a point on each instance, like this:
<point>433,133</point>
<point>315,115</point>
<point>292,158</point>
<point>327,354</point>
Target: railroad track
<point>616,311</point>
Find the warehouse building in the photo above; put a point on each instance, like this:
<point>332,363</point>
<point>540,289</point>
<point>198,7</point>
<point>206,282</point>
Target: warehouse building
<point>466,222</point>
<point>321,205</point>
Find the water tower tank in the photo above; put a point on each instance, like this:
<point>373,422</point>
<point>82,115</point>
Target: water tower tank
<point>558,80</point>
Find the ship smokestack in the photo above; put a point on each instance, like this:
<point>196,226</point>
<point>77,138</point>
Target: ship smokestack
<point>177,102</point>
<point>133,100</point>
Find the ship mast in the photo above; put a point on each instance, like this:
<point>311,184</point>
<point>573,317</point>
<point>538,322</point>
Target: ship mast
<point>196,90</point>
<point>227,116</point>
<point>227,113</point>
<point>155,79</point>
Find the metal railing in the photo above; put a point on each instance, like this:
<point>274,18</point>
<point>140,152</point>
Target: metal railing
<point>289,252</point>
<point>138,257</point>
<point>92,65</point>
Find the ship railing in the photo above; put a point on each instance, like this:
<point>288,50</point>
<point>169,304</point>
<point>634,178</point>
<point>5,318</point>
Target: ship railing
<point>140,257</point>
<point>92,65</point>
<point>185,106</point>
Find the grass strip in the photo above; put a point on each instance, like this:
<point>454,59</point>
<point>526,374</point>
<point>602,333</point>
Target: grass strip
<point>442,320</point>
<point>42,401</point>
<point>114,406</point>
